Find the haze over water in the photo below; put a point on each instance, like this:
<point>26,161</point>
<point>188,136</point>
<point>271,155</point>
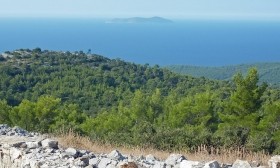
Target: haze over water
<point>191,42</point>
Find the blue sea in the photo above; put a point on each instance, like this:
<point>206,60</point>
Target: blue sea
<point>190,42</point>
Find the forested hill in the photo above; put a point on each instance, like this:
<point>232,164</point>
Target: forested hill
<point>123,103</point>
<point>268,71</point>
<point>93,82</point>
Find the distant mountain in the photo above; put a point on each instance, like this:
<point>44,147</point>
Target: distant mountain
<point>140,20</point>
<point>269,72</point>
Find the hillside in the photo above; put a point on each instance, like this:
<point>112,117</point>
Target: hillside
<point>268,72</point>
<point>122,103</point>
<point>92,81</point>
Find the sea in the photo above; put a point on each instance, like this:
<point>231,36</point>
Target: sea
<point>183,42</point>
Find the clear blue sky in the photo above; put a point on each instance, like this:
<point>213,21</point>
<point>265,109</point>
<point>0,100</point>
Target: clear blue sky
<point>255,9</point>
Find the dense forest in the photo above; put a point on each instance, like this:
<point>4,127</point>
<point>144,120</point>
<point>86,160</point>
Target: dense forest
<point>114,101</point>
<point>268,72</point>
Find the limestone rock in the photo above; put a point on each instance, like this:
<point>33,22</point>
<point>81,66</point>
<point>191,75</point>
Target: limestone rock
<point>82,161</point>
<point>241,164</point>
<point>104,162</point>
<point>150,159</point>
<point>19,149</point>
<point>33,145</point>
<point>3,129</point>
<point>71,152</point>
<point>174,159</point>
<point>212,164</point>
<point>20,132</point>
<point>15,153</point>
<point>48,143</point>
<point>115,155</point>
<point>188,164</point>
<point>274,162</point>
<point>94,161</point>
<point>159,165</point>
<point>225,165</point>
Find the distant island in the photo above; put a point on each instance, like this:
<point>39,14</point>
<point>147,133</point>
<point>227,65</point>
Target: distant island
<point>155,19</point>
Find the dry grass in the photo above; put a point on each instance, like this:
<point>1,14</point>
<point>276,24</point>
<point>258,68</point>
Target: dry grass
<point>230,155</point>
<point>202,153</point>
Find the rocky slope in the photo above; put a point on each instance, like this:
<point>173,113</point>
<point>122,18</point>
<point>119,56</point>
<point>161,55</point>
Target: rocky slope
<point>19,148</point>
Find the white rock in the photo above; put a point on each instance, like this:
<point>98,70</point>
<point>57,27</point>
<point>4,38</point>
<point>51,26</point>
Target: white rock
<point>33,145</point>
<point>114,162</point>
<point>274,162</point>
<point>150,159</point>
<point>159,165</point>
<point>115,155</point>
<point>188,164</point>
<point>83,152</point>
<point>15,153</point>
<point>174,159</point>
<point>48,143</point>
<point>52,157</point>
<point>10,133</point>
<point>226,165</point>
<point>44,154</point>
<point>71,160</point>
<point>241,164</point>
<point>94,161</point>
<point>104,162</point>
<point>19,131</point>
<point>71,152</point>
<point>110,166</point>
<point>212,164</point>
<point>35,164</point>
<point>90,166</point>
<point>49,150</point>
<point>82,162</point>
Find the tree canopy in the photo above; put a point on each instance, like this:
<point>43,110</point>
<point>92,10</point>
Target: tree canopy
<point>115,101</point>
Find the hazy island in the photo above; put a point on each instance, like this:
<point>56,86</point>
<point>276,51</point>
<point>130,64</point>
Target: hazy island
<point>155,19</point>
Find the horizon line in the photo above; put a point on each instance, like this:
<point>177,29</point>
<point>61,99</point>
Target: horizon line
<point>170,18</point>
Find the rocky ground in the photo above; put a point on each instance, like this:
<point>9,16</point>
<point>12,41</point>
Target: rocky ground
<point>19,148</point>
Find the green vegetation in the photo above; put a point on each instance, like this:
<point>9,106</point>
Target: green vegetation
<point>125,103</point>
<point>268,72</point>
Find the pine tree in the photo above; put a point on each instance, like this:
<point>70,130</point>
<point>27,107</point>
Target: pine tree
<point>240,114</point>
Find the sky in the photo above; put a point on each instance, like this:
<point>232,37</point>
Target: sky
<point>205,9</point>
